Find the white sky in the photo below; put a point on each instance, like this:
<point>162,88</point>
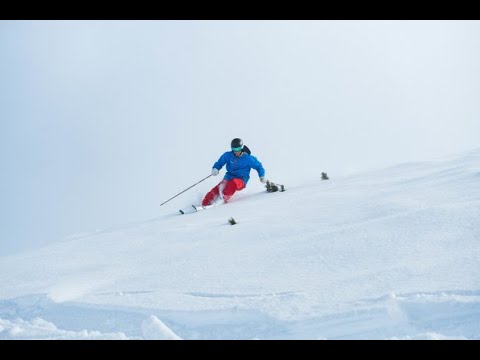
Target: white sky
<point>101,121</point>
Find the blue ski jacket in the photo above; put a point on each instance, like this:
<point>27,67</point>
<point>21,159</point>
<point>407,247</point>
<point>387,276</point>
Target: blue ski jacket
<point>239,167</point>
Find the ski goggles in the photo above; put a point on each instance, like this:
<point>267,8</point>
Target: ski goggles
<point>237,149</point>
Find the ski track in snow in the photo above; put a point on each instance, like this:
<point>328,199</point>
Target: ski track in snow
<point>386,254</point>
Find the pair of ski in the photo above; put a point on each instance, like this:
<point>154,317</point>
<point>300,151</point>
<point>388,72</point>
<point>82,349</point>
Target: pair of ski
<point>196,208</point>
<point>270,186</point>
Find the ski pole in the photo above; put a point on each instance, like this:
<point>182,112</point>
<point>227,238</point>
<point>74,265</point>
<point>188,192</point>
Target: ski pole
<point>186,190</point>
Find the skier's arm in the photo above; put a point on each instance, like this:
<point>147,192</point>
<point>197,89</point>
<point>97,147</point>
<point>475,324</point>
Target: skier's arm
<point>257,165</point>
<point>222,161</point>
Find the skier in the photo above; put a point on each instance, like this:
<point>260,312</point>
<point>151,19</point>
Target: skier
<point>239,163</point>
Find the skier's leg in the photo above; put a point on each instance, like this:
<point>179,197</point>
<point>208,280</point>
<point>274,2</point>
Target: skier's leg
<point>231,187</point>
<point>212,195</point>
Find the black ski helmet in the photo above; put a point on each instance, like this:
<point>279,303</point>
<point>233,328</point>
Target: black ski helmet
<point>236,143</point>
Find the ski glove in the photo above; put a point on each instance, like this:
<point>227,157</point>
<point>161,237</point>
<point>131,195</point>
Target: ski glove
<point>214,171</point>
<point>263,180</point>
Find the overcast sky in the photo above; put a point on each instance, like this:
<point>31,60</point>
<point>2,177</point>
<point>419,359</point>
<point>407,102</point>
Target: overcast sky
<point>101,121</point>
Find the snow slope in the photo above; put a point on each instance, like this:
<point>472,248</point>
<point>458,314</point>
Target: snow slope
<point>386,254</point>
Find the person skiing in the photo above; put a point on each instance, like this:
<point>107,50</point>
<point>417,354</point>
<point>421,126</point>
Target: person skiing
<point>239,163</point>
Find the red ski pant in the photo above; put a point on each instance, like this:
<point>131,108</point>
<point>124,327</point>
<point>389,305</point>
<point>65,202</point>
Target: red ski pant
<point>227,187</point>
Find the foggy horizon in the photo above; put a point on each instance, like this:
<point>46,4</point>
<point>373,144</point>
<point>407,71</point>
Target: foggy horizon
<point>102,121</point>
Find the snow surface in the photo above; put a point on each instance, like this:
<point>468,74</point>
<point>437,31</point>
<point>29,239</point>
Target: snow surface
<point>385,254</point>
